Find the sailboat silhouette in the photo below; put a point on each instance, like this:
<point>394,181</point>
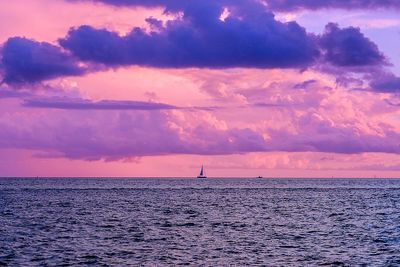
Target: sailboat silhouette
<point>202,173</point>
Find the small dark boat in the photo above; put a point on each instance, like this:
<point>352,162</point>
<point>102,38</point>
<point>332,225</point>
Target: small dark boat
<point>202,174</point>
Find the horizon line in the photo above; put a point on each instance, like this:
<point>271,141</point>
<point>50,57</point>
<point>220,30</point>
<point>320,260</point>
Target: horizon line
<point>188,177</point>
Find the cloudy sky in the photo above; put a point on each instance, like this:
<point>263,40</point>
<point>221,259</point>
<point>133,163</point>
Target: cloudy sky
<point>279,88</point>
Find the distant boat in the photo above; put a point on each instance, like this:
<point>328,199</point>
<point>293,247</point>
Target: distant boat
<point>202,173</point>
<point>259,177</point>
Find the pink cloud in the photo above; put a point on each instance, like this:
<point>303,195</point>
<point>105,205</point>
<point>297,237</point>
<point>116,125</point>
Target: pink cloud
<point>48,20</point>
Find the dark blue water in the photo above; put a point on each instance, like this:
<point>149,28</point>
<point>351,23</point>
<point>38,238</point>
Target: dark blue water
<point>211,222</point>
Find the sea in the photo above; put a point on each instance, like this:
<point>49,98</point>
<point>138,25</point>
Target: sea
<point>199,222</point>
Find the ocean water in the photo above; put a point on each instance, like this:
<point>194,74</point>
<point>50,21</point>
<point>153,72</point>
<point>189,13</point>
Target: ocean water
<point>210,222</point>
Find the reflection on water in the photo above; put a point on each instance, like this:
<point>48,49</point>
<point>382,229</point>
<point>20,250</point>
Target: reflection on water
<point>212,222</point>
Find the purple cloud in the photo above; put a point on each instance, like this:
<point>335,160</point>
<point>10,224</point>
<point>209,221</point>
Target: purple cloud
<point>305,84</point>
<point>317,135</point>
<point>7,93</point>
<point>247,38</point>
<point>115,135</point>
<point>388,83</point>
<point>82,104</point>
<point>291,5</point>
<point>28,61</point>
<point>122,134</point>
<point>64,103</point>
<point>94,136</point>
<point>348,47</point>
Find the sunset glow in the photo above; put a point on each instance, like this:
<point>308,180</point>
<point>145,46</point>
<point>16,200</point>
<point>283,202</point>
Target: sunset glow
<point>157,88</point>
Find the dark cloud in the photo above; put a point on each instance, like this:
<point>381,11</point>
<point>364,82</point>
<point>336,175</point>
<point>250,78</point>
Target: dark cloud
<point>247,38</point>
<point>7,93</point>
<point>305,84</point>
<point>389,102</point>
<point>268,105</point>
<point>388,83</point>
<point>28,61</point>
<point>82,104</point>
<point>291,5</point>
<point>348,47</point>
<point>66,103</point>
<point>250,37</point>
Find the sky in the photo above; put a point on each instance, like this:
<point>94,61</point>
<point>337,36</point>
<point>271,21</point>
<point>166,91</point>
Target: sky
<point>277,88</point>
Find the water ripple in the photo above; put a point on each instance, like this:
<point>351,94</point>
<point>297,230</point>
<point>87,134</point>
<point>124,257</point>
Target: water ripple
<point>217,223</point>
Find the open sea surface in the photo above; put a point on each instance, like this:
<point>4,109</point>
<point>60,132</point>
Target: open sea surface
<point>210,222</point>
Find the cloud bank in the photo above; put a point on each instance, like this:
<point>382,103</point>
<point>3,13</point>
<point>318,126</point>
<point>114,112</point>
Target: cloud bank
<point>27,61</point>
<point>116,135</point>
<point>248,36</point>
<point>386,83</point>
<point>82,104</point>
<point>201,39</point>
<point>348,47</point>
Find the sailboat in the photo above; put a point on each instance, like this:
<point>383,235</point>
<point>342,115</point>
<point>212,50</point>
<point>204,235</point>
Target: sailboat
<point>202,173</point>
